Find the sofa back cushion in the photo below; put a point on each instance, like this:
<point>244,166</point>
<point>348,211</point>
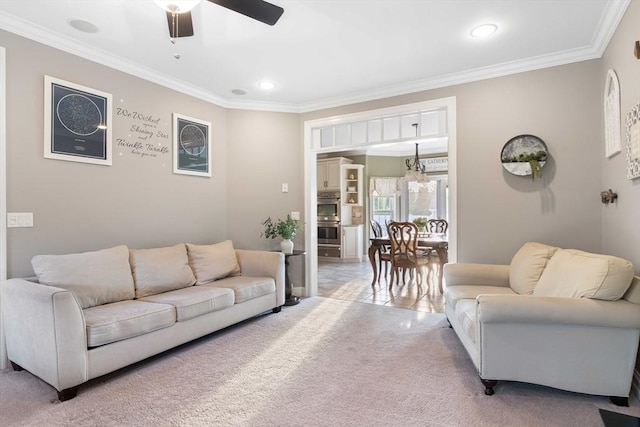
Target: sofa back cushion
<point>527,266</point>
<point>578,274</point>
<point>160,270</point>
<point>94,278</point>
<point>213,262</point>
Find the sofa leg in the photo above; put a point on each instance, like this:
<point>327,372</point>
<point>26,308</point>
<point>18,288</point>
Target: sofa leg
<point>489,385</point>
<point>67,393</point>
<point>16,367</point>
<point>277,309</point>
<point>619,401</point>
<point>448,322</point>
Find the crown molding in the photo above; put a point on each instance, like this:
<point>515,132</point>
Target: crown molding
<point>42,35</point>
<point>611,17</point>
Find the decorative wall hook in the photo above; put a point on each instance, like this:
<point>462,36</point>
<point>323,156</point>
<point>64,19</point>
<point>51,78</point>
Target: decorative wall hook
<point>608,196</point>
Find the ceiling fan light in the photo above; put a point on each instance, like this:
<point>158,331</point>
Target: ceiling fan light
<point>177,6</point>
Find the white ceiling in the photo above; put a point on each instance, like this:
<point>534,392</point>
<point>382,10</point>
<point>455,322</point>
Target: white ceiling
<point>323,53</point>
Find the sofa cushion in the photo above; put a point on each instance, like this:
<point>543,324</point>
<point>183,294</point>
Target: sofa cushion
<point>245,287</point>
<point>121,320</point>
<point>213,262</point>
<point>453,294</point>
<point>527,266</point>
<point>574,273</point>
<point>160,270</point>
<point>195,301</point>
<point>94,278</point>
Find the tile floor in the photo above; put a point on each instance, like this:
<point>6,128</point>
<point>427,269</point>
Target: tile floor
<point>352,282</point>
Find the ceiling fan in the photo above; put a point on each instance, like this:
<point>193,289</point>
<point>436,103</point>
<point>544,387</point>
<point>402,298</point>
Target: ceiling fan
<point>179,13</point>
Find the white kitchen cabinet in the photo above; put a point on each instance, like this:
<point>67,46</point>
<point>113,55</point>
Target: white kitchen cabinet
<point>328,173</point>
<point>352,243</point>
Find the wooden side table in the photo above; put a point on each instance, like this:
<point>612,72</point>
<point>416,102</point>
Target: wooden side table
<point>290,299</point>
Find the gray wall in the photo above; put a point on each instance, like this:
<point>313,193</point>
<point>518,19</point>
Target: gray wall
<point>137,201</point>
<point>621,221</point>
<point>498,212</point>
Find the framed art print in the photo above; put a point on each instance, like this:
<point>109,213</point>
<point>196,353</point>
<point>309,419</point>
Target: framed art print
<point>191,146</point>
<point>612,136</point>
<point>633,142</point>
<point>77,123</point>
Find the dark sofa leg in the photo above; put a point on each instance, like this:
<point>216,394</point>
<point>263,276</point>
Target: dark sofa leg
<point>277,309</point>
<point>67,393</point>
<point>619,401</point>
<point>16,367</point>
<point>489,385</point>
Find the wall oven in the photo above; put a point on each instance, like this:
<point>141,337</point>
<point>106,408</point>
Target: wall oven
<point>329,233</point>
<point>329,206</point>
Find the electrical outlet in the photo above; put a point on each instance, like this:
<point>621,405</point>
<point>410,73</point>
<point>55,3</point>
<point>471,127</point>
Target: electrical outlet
<point>285,187</point>
<point>295,216</point>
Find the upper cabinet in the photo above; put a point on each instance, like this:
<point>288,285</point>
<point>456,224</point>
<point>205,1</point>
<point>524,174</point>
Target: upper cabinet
<point>329,173</point>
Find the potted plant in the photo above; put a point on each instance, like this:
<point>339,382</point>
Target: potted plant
<point>286,229</point>
<point>421,223</point>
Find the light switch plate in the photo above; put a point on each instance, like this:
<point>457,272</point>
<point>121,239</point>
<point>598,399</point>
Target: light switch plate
<point>19,219</point>
<point>295,216</point>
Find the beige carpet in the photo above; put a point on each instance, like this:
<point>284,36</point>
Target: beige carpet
<point>323,362</point>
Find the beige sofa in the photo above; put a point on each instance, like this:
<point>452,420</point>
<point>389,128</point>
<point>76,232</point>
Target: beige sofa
<point>89,314</point>
<point>556,317</point>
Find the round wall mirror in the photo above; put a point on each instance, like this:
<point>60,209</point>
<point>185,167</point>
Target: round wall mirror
<point>524,155</point>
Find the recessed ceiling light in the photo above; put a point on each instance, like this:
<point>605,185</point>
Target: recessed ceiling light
<point>84,26</point>
<point>483,30</point>
<point>239,92</point>
<point>266,85</point>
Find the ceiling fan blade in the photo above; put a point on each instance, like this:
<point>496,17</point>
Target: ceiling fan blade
<point>257,9</point>
<point>180,24</point>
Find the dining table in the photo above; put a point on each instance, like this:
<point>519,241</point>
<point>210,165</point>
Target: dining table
<point>437,241</point>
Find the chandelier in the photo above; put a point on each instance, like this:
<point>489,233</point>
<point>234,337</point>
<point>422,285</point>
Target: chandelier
<point>416,171</point>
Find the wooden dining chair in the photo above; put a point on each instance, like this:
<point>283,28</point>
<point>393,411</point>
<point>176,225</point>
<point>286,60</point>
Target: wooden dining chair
<point>437,226</point>
<point>404,251</point>
<point>384,252</point>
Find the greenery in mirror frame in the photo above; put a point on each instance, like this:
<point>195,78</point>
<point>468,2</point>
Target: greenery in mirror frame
<point>286,229</point>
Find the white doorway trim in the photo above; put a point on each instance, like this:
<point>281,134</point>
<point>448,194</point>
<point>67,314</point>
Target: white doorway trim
<point>310,177</point>
<point>3,193</point>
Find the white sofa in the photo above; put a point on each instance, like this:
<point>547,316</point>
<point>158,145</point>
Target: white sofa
<point>556,317</point>
<point>92,313</point>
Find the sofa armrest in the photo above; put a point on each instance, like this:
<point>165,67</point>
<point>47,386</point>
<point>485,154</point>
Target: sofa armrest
<point>557,310</point>
<point>264,264</point>
<point>476,274</point>
<point>45,332</point>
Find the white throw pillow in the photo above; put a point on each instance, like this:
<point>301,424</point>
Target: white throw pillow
<point>94,278</point>
<point>527,266</point>
<point>160,270</point>
<point>578,274</point>
<point>213,262</point>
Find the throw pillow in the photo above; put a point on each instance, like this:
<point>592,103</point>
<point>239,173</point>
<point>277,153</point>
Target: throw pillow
<point>160,270</point>
<point>578,274</point>
<point>213,262</point>
<point>527,266</point>
<point>94,278</point>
